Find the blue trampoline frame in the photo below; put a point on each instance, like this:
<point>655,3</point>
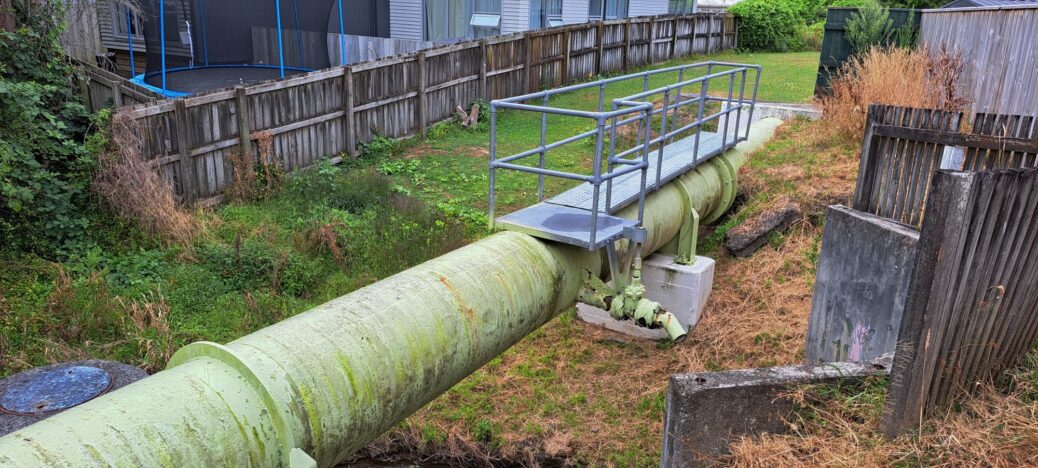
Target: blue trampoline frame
<point>165,91</point>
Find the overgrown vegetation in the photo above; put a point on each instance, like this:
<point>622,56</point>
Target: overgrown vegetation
<point>895,76</point>
<point>783,25</point>
<point>872,26</point>
<point>836,425</point>
<point>45,165</point>
<point>328,231</point>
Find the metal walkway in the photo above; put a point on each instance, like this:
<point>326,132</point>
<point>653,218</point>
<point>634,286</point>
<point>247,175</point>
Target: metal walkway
<point>665,148</point>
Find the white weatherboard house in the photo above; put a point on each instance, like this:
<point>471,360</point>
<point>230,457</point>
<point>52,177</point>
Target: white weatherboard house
<point>454,20</point>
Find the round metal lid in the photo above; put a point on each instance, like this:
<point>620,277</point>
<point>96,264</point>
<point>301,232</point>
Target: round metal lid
<point>55,389</point>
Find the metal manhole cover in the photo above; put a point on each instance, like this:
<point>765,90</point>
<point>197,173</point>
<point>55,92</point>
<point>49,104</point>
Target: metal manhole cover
<point>54,390</point>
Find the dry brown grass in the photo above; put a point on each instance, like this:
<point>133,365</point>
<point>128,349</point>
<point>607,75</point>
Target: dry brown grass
<point>135,191</point>
<point>253,179</point>
<point>992,428</point>
<point>894,76</point>
<point>149,318</point>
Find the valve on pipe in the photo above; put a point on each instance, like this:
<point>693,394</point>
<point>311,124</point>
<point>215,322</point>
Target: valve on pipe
<point>624,299</point>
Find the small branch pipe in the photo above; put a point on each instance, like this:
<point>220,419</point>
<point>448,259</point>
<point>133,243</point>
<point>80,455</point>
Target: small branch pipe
<point>331,379</point>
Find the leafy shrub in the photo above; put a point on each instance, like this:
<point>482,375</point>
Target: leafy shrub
<point>767,25</point>
<point>44,166</point>
<point>252,265</point>
<point>870,25</point>
<point>378,148</point>
<point>811,35</point>
<point>332,187</point>
<point>395,237</point>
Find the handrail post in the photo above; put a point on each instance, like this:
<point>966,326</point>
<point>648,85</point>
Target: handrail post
<point>663,138</point>
<point>596,181</point>
<point>728,110</point>
<point>699,117</point>
<point>493,154</point>
<point>544,152</point>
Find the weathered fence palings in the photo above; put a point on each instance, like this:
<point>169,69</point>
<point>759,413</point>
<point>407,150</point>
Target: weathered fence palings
<point>334,111</point>
<point>894,173</point>
<point>972,305</point>
<point>903,147</point>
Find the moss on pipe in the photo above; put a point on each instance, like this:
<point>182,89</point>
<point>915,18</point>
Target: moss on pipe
<point>333,378</point>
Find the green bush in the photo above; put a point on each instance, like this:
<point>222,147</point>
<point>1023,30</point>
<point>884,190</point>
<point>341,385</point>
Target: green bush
<point>332,187</point>
<point>254,265</point>
<point>870,25</point>
<point>768,25</point>
<point>44,166</point>
<point>811,36</point>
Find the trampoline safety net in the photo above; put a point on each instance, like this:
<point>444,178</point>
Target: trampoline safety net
<point>200,45</point>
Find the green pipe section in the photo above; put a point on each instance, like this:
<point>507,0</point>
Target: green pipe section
<point>326,382</point>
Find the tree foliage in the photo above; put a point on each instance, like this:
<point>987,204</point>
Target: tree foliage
<point>768,25</point>
<point>44,165</point>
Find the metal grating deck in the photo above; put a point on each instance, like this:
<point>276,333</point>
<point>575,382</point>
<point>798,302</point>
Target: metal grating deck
<point>565,224</point>
<point>678,158</point>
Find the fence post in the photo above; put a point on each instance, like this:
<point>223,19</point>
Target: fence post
<point>674,40</point>
<point>599,47</point>
<point>347,92</point>
<point>483,92</point>
<point>565,56</point>
<point>187,170</point>
<point>735,25</point>
<point>528,66</point>
<point>652,39</point>
<point>422,118</point>
<point>709,33</point>
<point>117,94</point>
<point>627,44</point>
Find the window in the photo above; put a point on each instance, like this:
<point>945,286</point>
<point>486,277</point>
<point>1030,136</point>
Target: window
<point>680,7</point>
<point>455,20</point>
<point>125,23</point>
<point>545,13</point>
<point>606,9</point>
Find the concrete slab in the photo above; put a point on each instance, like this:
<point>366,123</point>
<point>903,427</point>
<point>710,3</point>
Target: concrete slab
<point>681,289</point>
<point>862,281</point>
<point>706,411</point>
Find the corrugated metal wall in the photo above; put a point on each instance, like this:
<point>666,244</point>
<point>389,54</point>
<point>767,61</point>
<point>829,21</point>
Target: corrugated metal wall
<point>1000,48</point>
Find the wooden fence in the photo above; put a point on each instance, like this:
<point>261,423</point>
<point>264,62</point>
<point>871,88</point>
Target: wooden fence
<point>894,173</point>
<point>972,304</point>
<point>103,88</point>
<point>896,168</point>
<point>1000,49</point>
<point>333,111</point>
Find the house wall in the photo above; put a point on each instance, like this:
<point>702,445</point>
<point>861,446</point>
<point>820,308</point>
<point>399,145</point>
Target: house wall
<point>647,8</point>
<point>574,11</point>
<point>515,16</point>
<point>405,19</point>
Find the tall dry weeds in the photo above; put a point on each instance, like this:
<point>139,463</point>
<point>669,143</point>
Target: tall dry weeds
<point>993,427</point>
<point>893,76</point>
<point>151,331</point>
<point>131,188</point>
<point>253,179</point>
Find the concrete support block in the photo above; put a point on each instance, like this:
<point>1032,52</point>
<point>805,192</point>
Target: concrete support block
<point>862,281</point>
<point>682,290</point>
<point>706,411</point>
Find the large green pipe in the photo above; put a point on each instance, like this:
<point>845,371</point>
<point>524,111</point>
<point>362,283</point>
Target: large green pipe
<point>331,379</point>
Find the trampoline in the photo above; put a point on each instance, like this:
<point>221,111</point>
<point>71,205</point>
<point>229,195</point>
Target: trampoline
<point>194,46</point>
